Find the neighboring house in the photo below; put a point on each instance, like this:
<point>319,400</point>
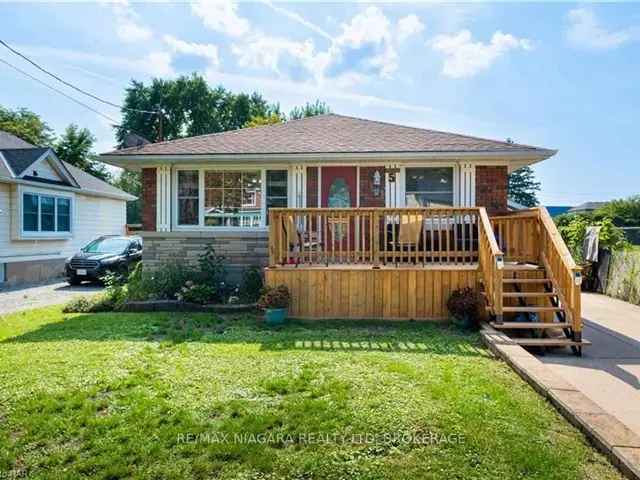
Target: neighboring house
<point>587,207</point>
<point>218,188</point>
<point>48,210</point>
<point>556,210</point>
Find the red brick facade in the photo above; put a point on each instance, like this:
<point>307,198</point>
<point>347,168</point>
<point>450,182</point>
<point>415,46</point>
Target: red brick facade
<point>368,197</point>
<point>312,187</point>
<point>491,188</point>
<point>149,199</point>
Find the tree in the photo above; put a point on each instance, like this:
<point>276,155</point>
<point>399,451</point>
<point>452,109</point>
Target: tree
<point>260,120</point>
<point>130,182</point>
<point>27,125</point>
<point>188,106</point>
<point>75,146</point>
<point>624,212</point>
<point>523,187</point>
<point>309,110</point>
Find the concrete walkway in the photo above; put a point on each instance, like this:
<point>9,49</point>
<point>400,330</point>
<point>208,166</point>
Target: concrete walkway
<point>16,299</point>
<point>609,371</point>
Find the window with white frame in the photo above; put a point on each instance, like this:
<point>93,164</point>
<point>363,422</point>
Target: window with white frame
<point>429,187</point>
<point>188,197</point>
<point>277,187</point>
<point>43,213</point>
<point>232,198</point>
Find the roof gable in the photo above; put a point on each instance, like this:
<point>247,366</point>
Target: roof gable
<point>329,133</point>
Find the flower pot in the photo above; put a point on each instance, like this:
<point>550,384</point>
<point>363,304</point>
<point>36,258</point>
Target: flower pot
<point>275,316</point>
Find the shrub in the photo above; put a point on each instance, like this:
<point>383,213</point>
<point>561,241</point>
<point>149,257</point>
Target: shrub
<point>274,297</point>
<point>212,269</point>
<point>464,304</point>
<point>94,304</point>
<point>195,293</point>
<point>251,285</point>
<point>574,229</point>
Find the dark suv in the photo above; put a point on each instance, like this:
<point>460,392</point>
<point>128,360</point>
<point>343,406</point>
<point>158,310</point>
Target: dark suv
<point>103,255</point>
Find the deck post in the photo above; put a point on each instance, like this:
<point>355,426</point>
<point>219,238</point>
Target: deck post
<point>375,241</point>
<point>274,242</point>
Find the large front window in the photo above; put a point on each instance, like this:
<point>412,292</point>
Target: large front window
<point>45,213</point>
<point>429,187</point>
<point>232,198</point>
<point>188,197</point>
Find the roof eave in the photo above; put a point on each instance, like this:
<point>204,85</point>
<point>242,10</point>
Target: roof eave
<point>82,191</point>
<point>527,156</point>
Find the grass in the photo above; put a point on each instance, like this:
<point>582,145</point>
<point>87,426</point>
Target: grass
<point>198,396</point>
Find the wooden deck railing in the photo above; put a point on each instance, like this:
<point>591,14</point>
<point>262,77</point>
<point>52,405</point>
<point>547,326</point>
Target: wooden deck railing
<point>373,236</point>
<point>491,264</point>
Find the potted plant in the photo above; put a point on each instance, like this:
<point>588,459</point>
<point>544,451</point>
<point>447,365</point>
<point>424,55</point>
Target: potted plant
<point>464,305</point>
<point>275,302</point>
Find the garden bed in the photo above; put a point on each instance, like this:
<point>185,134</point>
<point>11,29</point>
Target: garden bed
<point>178,306</point>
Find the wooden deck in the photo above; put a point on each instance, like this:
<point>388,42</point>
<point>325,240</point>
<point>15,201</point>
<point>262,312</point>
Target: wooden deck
<point>403,263</point>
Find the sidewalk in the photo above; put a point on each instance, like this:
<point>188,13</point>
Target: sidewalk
<point>609,370</point>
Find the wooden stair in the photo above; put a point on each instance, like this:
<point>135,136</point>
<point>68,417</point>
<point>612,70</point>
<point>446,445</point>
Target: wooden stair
<point>533,289</point>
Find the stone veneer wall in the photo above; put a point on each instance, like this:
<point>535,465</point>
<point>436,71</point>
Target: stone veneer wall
<point>149,199</point>
<point>491,188</point>
<point>241,249</point>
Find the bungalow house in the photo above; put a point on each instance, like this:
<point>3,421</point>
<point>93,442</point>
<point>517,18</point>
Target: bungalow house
<point>49,209</point>
<point>360,218</point>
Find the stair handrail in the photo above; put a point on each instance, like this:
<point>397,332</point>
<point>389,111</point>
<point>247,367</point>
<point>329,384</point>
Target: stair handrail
<point>491,259</point>
<point>565,274</point>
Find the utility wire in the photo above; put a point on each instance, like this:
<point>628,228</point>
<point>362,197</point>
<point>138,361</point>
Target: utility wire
<point>89,107</point>
<point>70,85</point>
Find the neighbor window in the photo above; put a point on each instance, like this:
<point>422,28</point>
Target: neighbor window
<point>429,187</point>
<point>232,198</point>
<point>45,213</point>
<point>188,197</point>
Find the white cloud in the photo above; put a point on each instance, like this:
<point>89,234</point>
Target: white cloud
<point>272,53</point>
<point>221,16</point>
<point>205,50</point>
<point>408,26</point>
<point>297,18</point>
<point>585,31</point>
<point>127,26</point>
<point>465,58</point>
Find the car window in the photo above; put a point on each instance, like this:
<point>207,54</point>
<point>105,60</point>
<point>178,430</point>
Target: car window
<point>107,245</point>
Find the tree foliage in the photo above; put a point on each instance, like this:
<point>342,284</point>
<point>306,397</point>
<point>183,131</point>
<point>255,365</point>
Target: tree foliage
<point>309,110</point>
<point>523,187</point>
<point>130,182</point>
<point>75,146</point>
<point>624,212</point>
<point>573,229</point>
<point>189,107</point>
<point>26,125</point>
<point>262,120</point>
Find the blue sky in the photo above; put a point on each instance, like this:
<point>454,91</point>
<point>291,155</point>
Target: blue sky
<point>557,75</point>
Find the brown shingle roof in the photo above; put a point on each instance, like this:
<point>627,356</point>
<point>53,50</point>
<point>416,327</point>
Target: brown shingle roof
<point>329,133</point>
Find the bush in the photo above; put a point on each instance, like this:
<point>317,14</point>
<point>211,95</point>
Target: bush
<point>465,304</point>
<point>194,293</point>
<point>212,269</point>
<point>573,229</point>
<point>274,297</point>
<point>252,285</point>
<point>94,304</point>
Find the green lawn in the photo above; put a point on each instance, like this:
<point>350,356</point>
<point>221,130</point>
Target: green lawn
<point>196,396</point>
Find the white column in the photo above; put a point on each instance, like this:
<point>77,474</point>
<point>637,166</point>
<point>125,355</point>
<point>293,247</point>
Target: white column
<point>163,198</point>
<point>298,187</point>
<point>466,185</point>
<point>393,190</point>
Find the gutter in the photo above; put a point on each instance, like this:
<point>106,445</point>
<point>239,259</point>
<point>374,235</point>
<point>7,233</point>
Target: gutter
<point>84,191</point>
<point>521,156</point>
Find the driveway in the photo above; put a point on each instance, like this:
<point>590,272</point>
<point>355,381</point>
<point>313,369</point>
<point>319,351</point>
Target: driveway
<point>609,370</point>
<point>13,300</point>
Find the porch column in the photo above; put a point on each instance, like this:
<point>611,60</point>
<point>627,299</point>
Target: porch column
<point>163,198</point>
<point>393,185</point>
<point>466,185</point>
<point>298,187</point>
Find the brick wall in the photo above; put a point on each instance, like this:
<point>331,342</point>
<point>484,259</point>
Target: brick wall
<point>241,249</point>
<point>149,199</point>
<point>312,187</point>
<point>367,197</point>
<point>491,188</point>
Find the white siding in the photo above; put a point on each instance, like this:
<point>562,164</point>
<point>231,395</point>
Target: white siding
<point>92,217</point>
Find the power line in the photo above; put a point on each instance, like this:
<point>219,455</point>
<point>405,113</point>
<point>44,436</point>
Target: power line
<point>70,85</point>
<point>89,107</point>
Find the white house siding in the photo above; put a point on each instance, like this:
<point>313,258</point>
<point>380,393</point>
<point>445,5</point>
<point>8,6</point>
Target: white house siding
<point>39,259</point>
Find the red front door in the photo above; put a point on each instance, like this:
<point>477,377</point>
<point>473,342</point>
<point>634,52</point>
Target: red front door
<point>339,187</point>
<point>339,190</point>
